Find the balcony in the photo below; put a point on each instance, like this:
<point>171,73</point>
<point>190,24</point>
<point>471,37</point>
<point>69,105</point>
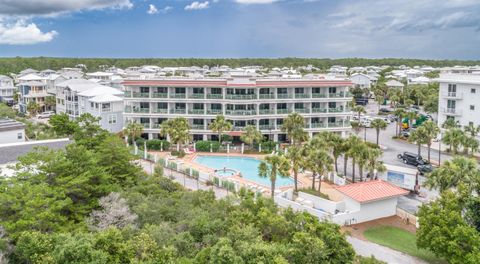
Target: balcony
<point>266,96</point>
<point>196,111</point>
<point>241,96</point>
<point>196,96</point>
<point>238,128</point>
<point>179,95</point>
<point>156,125</point>
<point>214,96</point>
<point>339,124</point>
<point>302,95</point>
<point>127,93</point>
<point>319,95</point>
<point>140,95</point>
<point>319,110</point>
<point>241,112</point>
<point>283,111</point>
<point>178,111</point>
<point>266,127</point>
<point>284,96</point>
<point>266,111</point>
<point>146,125</point>
<point>451,111</point>
<point>335,110</point>
<point>214,112</point>
<point>318,125</point>
<point>160,110</point>
<point>302,110</point>
<point>197,127</point>
<point>141,110</point>
<point>452,95</point>
<point>160,95</point>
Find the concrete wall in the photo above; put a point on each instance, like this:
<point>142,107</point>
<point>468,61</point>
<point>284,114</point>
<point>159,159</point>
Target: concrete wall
<point>324,204</point>
<point>11,136</point>
<point>286,203</point>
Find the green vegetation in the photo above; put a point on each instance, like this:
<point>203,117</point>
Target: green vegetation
<point>399,239</point>
<point>205,146</point>
<point>17,64</point>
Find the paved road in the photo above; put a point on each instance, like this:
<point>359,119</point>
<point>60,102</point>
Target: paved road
<point>388,255</point>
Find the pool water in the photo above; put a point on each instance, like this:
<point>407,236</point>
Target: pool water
<point>248,167</point>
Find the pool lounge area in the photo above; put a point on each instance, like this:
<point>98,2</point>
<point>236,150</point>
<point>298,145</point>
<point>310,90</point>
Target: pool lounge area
<point>247,168</point>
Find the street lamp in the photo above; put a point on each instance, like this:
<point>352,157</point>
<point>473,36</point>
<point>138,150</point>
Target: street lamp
<point>439,147</point>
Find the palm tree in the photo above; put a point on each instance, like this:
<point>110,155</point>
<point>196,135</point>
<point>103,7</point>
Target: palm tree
<point>449,123</point>
<point>335,143</point>
<point>220,125</point>
<point>419,137</point>
<point>472,130</point>
<point>453,138</point>
<point>362,158</point>
<point>50,102</point>
<point>379,124</point>
<point>373,164</point>
<point>251,135</point>
<point>273,166</point>
<point>133,130</point>
<point>359,110</point>
<point>33,108</point>
<point>432,131</point>
<point>296,157</point>
<point>354,151</point>
<point>177,129</point>
<point>399,113</point>
<point>355,126</point>
<point>470,142</point>
<point>319,162</point>
<point>411,116</point>
<point>293,125</point>
<point>452,173</point>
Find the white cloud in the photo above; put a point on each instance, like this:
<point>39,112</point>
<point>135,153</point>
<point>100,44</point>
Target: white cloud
<point>152,10</point>
<point>166,9</point>
<point>55,7</point>
<point>197,5</point>
<point>251,2</point>
<point>21,33</point>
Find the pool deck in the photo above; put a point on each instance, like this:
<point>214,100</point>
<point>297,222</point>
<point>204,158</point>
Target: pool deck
<point>304,180</point>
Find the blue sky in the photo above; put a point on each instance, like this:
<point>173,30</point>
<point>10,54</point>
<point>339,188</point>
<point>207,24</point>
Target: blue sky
<point>241,28</point>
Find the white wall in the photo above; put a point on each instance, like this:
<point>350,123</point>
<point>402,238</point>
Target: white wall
<point>366,212</point>
<point>463,104</point>
<point>324,204</point>
<point>11,136</point>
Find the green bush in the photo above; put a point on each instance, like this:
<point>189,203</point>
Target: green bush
<point>156,144</point>
<point>267,146</point>
<point>204,146</point>
<point>179,154</point>
<point>140,142</point>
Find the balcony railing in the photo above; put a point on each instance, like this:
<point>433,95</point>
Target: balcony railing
<point>241,112</point>
<point>141,110</point>
<point>155,125</point>
<point>160,110</point>
<point>319,95</point>
<point>145,125</point>
<point>302,110</point>
<point>318,125</point>
<point>179,95</point>
<point>453,95</point>
<point>214,111</point>
<point>196,111</point>
<point>266,96</point>
<point>451,111</point>
<point>282,111</point>
<point>319,110</point>
<point>140,95</point>
<point>266,111</point>
<point>178,111</point>
<point>196,96</point>
<point>127,93</point>
<point>302,95</point>
<point>160,95</point>
<point>335,110</point>
<point>266,127</point>
<point>197,127</point>
<point>238,128</point>
<point>241,96</point>
<point>214,96</point>
<point>284,96</point>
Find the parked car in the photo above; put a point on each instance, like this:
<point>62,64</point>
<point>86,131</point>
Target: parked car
<point>385,110</point>
<point>405,133</point>
<point>46,114</point>
<point>426,168</point>
<point>412,159</point>
<point>392,118</point>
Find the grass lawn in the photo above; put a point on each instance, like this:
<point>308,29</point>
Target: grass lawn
<point>401,240</point>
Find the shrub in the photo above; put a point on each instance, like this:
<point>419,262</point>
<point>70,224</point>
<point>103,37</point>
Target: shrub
<point>267,146</point>
<point>179,154</point>
<point>204,146</point>
<point>156,144</point>
<point>140,142</point>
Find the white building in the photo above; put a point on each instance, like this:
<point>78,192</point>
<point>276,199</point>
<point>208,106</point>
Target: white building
<point>262,102</point>
<point>459,98</point>
<point>78,96</point>
<point>7,90</point>
<point>11,131</point>
<point>394,84</point>
<point>361,80</point>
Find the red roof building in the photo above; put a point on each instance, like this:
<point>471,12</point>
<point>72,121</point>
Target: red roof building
<point>365,192</point>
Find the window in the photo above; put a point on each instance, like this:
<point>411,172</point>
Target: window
<point>472,107</point>
<point>473,90</point>
<point>470,123</point>
<point>91,104</point>
<point>19,136</point>
<point>452,88</point>
<point>112,119</point>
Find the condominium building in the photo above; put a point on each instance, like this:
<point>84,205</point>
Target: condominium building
<point>458,98</point>
<point>78,96</point>
<point>264,103</point>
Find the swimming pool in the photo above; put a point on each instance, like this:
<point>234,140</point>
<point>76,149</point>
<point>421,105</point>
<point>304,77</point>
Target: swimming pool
<point>248,167</point>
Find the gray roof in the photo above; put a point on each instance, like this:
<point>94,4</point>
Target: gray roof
<point>11,152</point>
<point>9,124</point>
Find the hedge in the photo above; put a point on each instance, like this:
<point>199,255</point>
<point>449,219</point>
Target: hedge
<point>204,146</point>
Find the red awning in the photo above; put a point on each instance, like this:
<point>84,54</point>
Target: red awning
<point>235,133</point>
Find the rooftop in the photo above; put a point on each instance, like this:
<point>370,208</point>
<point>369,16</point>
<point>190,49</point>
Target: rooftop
<point>459,78</point>
<point>9,124</point>
<point>365,192</point>
<point>10,152</point>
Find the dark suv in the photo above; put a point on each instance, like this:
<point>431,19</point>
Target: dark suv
<point>412,159</point>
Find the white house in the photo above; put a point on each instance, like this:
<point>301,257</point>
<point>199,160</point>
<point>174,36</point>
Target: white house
<point>394,84</point>
<point>458,98</point>
<point>7,90</point>
<point>11,131</point>
<point>361,80</point>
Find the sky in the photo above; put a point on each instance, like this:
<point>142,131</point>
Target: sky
<point>425,29</point>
